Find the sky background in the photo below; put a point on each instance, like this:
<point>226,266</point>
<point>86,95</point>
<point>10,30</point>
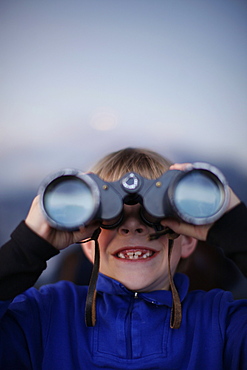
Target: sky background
<point>79,79</point>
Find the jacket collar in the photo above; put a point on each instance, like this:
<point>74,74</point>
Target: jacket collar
<point>108,285</point>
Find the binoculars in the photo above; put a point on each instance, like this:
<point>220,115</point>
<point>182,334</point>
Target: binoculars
<point>71,199</point>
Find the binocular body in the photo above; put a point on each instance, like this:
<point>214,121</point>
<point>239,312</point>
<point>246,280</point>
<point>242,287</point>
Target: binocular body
<point>71,199</point>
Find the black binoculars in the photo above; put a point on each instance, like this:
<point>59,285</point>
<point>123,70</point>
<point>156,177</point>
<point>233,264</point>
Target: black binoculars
<point>71,199</point>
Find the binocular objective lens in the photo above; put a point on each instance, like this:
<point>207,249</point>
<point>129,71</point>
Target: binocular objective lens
<point>69,202</point>
<point>198,194</point>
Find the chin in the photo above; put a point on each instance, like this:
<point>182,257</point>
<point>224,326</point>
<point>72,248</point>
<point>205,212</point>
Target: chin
<point>136,286</point>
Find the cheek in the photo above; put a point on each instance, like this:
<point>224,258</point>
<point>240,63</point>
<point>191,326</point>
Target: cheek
<point>88,249</point>
<point>105,238</point>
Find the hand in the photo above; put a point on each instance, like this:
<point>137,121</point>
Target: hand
<point>198,232</point>
<point>58,238</point>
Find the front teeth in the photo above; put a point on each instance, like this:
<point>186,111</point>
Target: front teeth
<point>135,255</point>
<point>148,254</point>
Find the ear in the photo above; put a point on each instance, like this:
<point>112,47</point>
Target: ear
<point>88,249</point>
<point>188,245</point>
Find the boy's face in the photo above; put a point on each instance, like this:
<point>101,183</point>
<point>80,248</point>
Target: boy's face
<point>128,256</point>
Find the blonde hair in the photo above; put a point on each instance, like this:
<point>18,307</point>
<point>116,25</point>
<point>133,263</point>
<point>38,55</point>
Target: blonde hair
<point>145,162</point>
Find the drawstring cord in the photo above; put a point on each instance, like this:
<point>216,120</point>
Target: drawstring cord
<point>176,313</point>
<point>90,310</point>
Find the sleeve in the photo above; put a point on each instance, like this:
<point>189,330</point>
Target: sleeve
<point>22,260</point>
<point>230,234</point>
<point>221,261</point>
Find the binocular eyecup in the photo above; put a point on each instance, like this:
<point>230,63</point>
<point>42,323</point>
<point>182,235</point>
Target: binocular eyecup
<point>71,199</point>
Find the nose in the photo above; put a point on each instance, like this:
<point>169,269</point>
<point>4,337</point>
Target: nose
<point>132,224</point>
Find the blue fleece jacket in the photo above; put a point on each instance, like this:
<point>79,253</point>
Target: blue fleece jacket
<point>46,329</point>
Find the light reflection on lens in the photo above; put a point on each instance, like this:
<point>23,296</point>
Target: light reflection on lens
<point>198,195</point>
<point>69,202</point>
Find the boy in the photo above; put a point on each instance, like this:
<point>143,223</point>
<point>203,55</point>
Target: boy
<point>45,329</point>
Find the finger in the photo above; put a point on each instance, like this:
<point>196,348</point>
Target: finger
<point>183,228</point>
<point>181,166</point>
<point>86,232</point>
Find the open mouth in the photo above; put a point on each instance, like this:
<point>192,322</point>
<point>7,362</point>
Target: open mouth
<point>135,254</point>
